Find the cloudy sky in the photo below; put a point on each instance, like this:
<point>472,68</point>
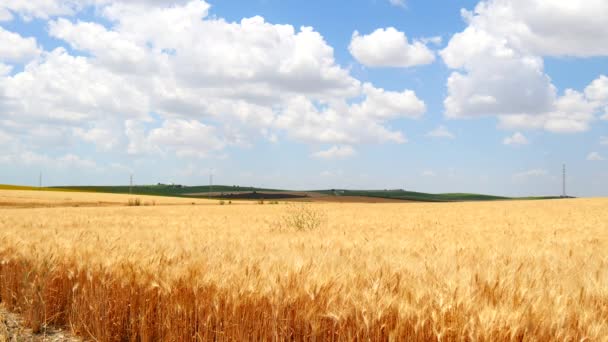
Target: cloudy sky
<point>429,95</point>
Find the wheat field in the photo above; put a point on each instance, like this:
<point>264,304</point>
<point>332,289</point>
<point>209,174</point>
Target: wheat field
<point>500,271</point>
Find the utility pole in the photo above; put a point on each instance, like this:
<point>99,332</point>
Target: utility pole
<point>131,185</point>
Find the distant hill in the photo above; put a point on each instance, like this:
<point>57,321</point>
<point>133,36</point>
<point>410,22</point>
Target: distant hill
<point>226,191</point>
<point>31,188</point>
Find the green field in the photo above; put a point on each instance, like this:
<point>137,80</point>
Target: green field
<point>32,188</point>
<point>184,191</point>
<point>417,196</point>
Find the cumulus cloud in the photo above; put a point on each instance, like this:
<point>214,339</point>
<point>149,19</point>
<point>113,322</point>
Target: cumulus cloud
<point>350,123</point>
<point>183,138</point>
<point>441,132</point>
<point>517,139</point>
<point>597,91</point>
<point>549,28</point>
<point>259,80</point>
<point>104,138</point>
<point>571,113</point>
<point>336,152</point>
<point>15,48</point>
<point>389,48</point>
<point>384,105</point>
<point>499,68</point>
<point>63,89</point>
<point>595,156</point>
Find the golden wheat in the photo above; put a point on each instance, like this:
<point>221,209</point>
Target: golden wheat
<point>530,270</point>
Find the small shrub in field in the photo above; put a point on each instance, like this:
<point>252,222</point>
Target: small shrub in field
<point>273,202</point>
<point>302,218</point>
<point>261,201</point>
<point>229,202</point>
<point>134,202</point>
<point>222,202</point>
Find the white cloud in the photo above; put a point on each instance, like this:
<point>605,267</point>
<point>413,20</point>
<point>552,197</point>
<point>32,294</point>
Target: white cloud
<point>389,48</point>
<point>525,175</point>
<point>603,140</point>
<point>597,91</point>
<point>517,139</point>
<point>549,28</point>
<point>4,138</point>
<point>184,138</point>
<point>397,3</point>
<point>30,158</point>
<point>336,152</point>
<point>500,69</point>
<point>436,40</point>
<point>428,173</point>
<point>441,132</point>
<point>38,9</point>
<point>5,15</point>
<point>5,69</point>
<point>259,79</point>
<point>572,113</point>
<point>491,83</point>
<point>595,156</point>
<point>384,105</point>
<point>67,89</point>
<point>15,48</point>
<point>349,124</point>
<point>105,138</point>
<point>45,9</point>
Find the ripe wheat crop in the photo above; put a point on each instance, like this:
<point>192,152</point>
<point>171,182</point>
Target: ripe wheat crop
<point>533,270</point>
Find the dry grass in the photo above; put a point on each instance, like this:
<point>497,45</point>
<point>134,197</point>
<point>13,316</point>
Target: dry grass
<point>534,270</point>
<point>46,199</point>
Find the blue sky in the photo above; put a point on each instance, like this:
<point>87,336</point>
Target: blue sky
<point>460,96</point>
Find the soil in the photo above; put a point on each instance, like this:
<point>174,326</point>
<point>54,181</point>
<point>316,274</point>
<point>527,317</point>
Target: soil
<point>12,330</point>
<point>351,199</point>
<point>300,196</point>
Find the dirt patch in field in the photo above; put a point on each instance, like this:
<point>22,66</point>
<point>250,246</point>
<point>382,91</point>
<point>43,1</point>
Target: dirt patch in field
<point>12,330</point>
<point>270,195</point>
<point>351,199</point>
